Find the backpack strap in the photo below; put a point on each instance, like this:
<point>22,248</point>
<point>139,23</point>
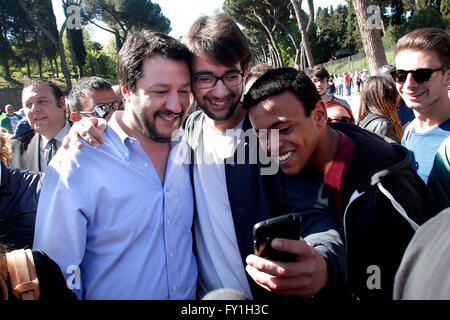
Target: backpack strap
<point>22,274</point>
<point>3,277</point>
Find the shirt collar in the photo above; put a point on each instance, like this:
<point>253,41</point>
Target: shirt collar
<point>117,128</point>
<point>59,136</point>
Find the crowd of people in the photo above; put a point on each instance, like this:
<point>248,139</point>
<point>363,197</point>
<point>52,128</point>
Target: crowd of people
<point>151,189</point>
<point>339,81</point>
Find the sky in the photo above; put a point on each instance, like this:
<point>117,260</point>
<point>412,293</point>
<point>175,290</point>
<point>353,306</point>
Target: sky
<point>181,13</point>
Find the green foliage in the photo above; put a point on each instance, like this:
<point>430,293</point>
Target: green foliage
<point>422,19</point>
<point>428,18</point>
<point>124,16</point>
<point>100,61</point>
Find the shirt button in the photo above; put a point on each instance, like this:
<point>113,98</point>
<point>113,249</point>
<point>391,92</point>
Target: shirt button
<point>168,221</point>
<point>126,154</point>
<point>174,289</point>
<point>171,254</point>
<point>146,165</point>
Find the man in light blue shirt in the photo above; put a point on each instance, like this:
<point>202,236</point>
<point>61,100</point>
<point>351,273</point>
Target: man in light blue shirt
<point>117,219</point>
<point>422,77</point>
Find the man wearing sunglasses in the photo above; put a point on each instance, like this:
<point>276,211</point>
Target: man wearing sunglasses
<point>92,97</point>
<point>422,77</point>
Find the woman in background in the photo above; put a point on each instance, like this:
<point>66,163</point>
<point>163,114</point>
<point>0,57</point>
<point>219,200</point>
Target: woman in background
<point>378,108</point>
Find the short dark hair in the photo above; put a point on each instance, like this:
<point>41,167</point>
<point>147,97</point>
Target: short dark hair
<point>276,81</point>
<point>319,72</point>
<point>144,44</point>
<point>218,36</point>
<point>258,70</point>
<point>432,39</point>
<point>82,88</point>
<point>56,91</point>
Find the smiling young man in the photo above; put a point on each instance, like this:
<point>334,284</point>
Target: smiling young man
<point>422,76</point>
<point>44,106</point>
<point>120,216</point>
<point>380,198</point>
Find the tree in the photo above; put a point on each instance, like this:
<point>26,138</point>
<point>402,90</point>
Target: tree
<point>305,30</point>
<point>371,38</point>
<point>125,16</point>
<point>6,26</point>
<point>75,40</point>
<point>44,14</point>
<point>269,26</point>
<point>261,46</point>
<point>57,42</point>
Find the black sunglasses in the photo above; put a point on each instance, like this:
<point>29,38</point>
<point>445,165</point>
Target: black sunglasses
<point>102,110</point>
<point>342,119</point>
<point>419,75</point>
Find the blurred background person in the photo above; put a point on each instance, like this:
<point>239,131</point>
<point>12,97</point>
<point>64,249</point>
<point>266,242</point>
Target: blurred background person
<point>254,73</point>
<point>9,122</point>
<point>337,112</point>
<point>45,109</point>
<point>378,108</point>
<point>92,97</point>
<point>320,76</point>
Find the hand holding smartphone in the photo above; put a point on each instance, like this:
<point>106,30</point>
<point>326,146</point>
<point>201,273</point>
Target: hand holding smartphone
<point>287,226</point>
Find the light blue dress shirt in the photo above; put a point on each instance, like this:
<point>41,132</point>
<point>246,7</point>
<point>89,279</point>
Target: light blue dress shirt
<point>106,215</point>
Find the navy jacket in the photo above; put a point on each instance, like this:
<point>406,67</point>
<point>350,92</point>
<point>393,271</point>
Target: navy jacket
<point>385,201</point>
<point>19,194</point>
<point>255,197</point>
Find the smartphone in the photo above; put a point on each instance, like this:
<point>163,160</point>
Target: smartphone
<point>287,226</point>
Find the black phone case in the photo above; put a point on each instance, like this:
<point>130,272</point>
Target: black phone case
<point>287,227</point>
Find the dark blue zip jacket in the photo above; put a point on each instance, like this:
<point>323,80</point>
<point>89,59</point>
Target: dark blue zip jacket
<point>385,202</point>
<point>19,193</point>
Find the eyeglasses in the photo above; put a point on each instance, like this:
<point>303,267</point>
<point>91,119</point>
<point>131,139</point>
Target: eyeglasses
<point>342,119</point>
<point>419,75</point>
<point>210,81</point>
<point>102,110</point>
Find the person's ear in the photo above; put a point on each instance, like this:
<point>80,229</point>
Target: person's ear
<point>63,103</point>
<point>125,92</point>
<point>74,116</point>
<point>447,77</point>
<point>320,114</point>
<point>246,70</point>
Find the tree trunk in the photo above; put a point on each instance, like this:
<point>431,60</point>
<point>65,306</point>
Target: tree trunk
<point>28,67</point>
<point>6,66</point>
<point>39,62</point>
<point>294,42</point>
<point>371,38</point>
<point>51,67</point>
<point>305,37</point>
<point>272,40</point>
<point>56,66</point>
